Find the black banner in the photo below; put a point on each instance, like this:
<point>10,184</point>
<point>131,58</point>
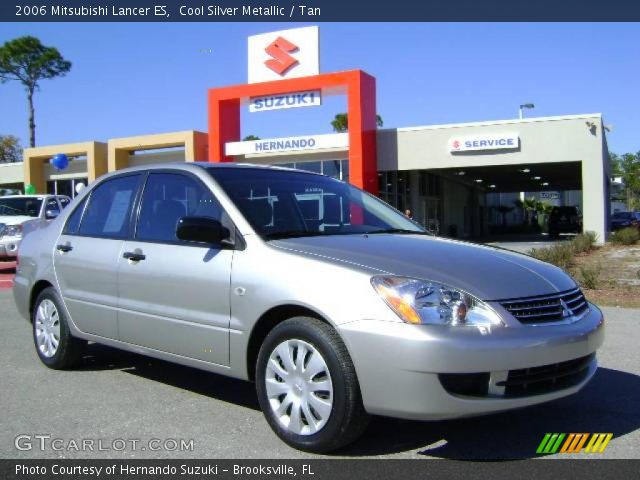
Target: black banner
<point>317,469</point>
<point>316,10</point>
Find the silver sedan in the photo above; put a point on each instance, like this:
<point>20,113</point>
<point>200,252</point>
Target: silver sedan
<point>335,304</point>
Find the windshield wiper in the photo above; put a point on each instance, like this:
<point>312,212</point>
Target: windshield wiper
<point>399,230</point>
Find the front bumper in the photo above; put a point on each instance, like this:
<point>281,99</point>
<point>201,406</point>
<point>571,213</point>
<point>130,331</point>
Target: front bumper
<point>9,247</point>
<point>398,364</point>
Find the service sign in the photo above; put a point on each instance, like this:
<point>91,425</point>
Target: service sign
<point>283,54</point>
<point>286,100</point>
<point>503,141</point>
<point>288,144</point>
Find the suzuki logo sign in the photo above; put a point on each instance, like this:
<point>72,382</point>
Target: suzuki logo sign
<point>284,54</point>
<point>286,100</point>
<point>280,49</point>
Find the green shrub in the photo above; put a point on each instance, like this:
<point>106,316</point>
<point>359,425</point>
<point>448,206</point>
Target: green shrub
<point>590,275</point>
<point>584,242</point>
<point>560,255</point>
<point>626,236</point>
<point>592,235</point>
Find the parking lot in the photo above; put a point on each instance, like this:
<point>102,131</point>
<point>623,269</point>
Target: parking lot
<point>7,271</point>
<point>121,396</point>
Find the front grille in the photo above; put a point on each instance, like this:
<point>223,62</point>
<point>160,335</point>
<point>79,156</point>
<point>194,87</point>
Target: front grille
<point>547,378</point>
<point>547,308</point>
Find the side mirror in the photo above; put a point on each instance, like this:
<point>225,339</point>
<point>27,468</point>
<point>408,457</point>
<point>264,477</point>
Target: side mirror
<point>51,214</point>
<point>201,230</point>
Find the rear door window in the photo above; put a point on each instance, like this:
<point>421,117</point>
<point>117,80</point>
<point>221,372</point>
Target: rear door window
<point>108,212</point>
<point>73,223</point>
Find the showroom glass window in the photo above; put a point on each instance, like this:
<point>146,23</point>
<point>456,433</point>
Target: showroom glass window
<point>109,210</point>
<point>167,197</point>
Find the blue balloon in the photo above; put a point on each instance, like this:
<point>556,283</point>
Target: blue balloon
<point>60,161</point>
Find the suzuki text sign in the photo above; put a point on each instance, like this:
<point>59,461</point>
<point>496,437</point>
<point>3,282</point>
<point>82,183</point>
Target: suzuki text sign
<point>289,144</point>
<point>286,100</point>
<point>284,54</point>
<point>504,141</point>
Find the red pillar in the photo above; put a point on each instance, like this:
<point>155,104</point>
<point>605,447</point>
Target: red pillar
<point>224,125</point>
<point>363,164</point>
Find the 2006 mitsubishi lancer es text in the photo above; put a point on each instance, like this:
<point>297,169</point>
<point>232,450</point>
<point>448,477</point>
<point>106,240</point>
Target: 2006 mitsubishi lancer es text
<point>334,303</point>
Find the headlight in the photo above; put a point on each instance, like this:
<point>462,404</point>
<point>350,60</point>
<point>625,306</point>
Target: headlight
<point>423,302</point>
<point>13,231</point>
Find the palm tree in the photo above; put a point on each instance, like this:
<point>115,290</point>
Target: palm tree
<point>340,122</point>
<point>503,210</point>
<point>527,206</point>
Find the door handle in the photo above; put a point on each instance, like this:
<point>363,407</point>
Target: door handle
<point>134,256</point>
<point>64,248</point>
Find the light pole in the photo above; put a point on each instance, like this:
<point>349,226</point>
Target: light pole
<point>525,105</point>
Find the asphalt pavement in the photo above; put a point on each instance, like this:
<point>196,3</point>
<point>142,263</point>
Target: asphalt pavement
<point>122,406</point>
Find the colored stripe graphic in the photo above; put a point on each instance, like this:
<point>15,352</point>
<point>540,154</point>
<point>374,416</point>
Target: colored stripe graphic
<point>598,442</point>
<point>574,443</point>
<point>550,443</point>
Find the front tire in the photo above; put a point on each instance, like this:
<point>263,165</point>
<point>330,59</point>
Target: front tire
<point>55,345</point>
<point>307,386</point>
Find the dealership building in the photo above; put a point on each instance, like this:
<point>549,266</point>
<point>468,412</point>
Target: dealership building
<point>452,177</point>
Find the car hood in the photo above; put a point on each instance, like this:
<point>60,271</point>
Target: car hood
<point>487,273</point>
<point>14,219</point>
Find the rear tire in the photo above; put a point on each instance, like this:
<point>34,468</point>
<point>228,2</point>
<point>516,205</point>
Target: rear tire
<point>55,345</point>
<point>307,386</point>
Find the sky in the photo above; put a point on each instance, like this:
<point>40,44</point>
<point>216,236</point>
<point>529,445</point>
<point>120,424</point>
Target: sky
<point>134,79</point>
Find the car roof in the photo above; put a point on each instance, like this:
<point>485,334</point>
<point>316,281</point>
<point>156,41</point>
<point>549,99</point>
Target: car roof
<point>206,166</point>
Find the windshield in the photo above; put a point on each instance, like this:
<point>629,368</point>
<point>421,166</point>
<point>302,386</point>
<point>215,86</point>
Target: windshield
<point>19,206</point>
<point>622,215</point>
<point>285,204</point>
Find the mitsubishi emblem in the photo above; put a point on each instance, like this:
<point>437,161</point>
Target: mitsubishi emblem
<point>566,311</point>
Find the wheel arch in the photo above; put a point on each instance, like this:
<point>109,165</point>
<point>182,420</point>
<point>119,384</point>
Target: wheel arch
<point>38,287</point>
<point>267,322</point>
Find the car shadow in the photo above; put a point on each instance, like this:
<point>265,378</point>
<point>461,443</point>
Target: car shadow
<point>238,392</point>
<point>608,404</point>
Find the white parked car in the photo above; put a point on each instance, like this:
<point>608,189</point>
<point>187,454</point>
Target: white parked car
<point>20,212</point>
